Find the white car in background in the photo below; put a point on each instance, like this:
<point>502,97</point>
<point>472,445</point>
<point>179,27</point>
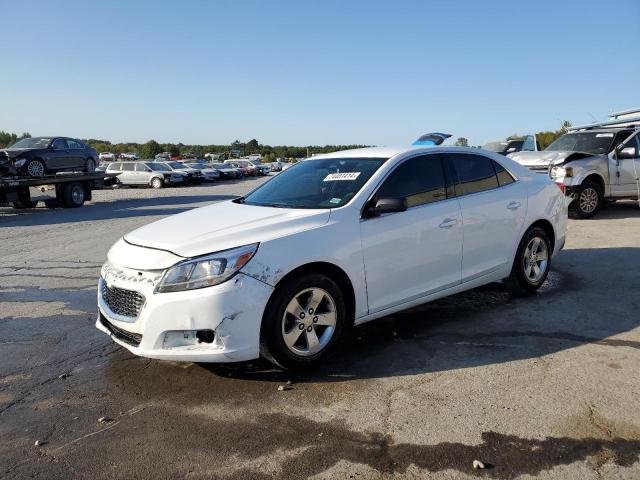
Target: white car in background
<point>335,240</point>
<point>106,157</point>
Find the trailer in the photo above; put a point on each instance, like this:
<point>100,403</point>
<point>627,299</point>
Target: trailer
<point>68,190</point>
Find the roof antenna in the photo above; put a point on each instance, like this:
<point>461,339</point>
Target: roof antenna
<point>595,120</point>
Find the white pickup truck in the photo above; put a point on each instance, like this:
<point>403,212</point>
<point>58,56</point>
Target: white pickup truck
<point>591,165</point>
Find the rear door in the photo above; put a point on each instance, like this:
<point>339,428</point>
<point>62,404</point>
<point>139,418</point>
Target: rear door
<point>416,252</point>
<point>493,207</point>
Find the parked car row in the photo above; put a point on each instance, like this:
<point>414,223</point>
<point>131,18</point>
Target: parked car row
<point>158,173</point>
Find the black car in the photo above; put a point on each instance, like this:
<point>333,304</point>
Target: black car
<point>39,156</point>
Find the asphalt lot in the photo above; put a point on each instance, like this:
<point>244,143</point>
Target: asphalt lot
<point>544,386</point>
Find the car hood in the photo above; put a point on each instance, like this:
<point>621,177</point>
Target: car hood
<point>546,158</point>
<point>222,226</point>
<point>16,152</point>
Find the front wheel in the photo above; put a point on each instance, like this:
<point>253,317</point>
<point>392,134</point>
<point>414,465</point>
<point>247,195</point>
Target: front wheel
<point>35,168</point>
<point>156,183</point>
<point>532,263</point>
<point>303,322</point>
<point>588,200</point>
<point>90,165</point>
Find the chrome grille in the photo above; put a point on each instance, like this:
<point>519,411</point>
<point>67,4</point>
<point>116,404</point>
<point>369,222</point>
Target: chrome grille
<point>121,301</point>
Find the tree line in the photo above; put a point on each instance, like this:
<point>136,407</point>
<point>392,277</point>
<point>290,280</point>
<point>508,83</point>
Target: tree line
<point>237,149</point>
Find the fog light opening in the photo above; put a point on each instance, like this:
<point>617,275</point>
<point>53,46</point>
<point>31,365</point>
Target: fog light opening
<point>205,336</point>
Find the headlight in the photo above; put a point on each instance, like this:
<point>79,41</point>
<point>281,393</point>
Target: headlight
<point>20,162</point>
<point>558,172</point>
<point>206,271</point>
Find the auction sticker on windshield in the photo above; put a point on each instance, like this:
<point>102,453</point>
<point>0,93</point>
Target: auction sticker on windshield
<point>334,177</point>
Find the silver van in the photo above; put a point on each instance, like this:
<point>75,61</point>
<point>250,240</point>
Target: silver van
<point>153,174</point>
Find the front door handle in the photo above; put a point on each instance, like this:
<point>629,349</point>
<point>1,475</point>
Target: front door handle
<point>513,205</point>
<point>448,223</point>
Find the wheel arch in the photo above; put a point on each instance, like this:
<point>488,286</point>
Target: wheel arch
<point>547,226</point>
<point>332,271</point>
<point>597,179</point>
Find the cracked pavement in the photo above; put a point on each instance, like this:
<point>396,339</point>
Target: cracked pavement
<point>545,386</point>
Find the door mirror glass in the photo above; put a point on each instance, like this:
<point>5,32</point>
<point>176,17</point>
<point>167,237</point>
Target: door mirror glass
<point>386,205</point>
<point>628,152</point>
<point>511,150</point>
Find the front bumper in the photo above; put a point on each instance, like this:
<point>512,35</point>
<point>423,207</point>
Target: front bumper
<point>166,325</point>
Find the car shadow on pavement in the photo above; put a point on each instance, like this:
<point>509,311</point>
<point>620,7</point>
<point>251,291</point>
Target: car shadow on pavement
<point>139,207</point>
<point>487,325</point>
<point>618,210</point>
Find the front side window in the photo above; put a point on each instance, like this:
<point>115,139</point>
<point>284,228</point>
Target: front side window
<point>141,167</point>
<point>475,173</point>
<point>633,143</point>
<point>322,183</point>
<point>158,167</point>
<point>59,144</point>
<point>419,180</point>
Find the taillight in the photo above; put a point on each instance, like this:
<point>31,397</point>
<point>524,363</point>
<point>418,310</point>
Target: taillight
<point>562,187</point>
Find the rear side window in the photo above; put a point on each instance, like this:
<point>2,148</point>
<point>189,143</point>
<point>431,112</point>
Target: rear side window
<point>504,177</point>
<point>420,180</point>
<point>475,173</point>
<point>128,167</point>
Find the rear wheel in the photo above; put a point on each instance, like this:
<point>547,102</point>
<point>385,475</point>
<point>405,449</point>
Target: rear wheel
<point>303,322</point>
<point>35,168</point>
<point>588,200</point>
<point>531,265</point>
<point>73,195</point>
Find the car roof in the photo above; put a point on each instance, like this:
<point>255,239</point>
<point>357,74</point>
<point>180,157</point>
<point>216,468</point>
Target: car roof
<point>388,152</point>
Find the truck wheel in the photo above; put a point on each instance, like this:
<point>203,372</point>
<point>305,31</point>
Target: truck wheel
<point>303,322</point>
<point>23,204</point>
<point>36,168</point>
<point>588,200</point>
<point>532,263</point>
<point>73,195</point>
<point>156,183</point>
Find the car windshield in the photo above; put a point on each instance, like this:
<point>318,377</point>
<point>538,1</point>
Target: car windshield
<point>588,142</point>
<point>158,167</point>
<point>177,165</point>
<point>495,146</point>
<point>37,142</point>
<point>325,183</point>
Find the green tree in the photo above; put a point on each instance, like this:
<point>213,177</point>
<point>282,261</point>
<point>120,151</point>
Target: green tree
<point>150,149</point>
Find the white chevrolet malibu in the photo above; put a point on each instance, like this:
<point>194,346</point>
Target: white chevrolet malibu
<point>335,240</point>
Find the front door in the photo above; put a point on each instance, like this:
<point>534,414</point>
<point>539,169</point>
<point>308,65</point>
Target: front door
<point>412,253</point>
<point>493,206</point>
<point>59,157</point>
<point>627,170</point>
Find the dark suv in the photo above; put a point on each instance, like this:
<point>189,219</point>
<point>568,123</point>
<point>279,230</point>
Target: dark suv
<point>38,156</point>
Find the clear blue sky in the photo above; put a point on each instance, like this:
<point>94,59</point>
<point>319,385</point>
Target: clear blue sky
<point>313,72</point>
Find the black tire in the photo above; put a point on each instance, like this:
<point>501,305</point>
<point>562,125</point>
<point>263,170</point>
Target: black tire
<point>35,168</point>
<point>24,204</point>
<point>588,199</point>
<point>274,322</point>
<point>73,195</point>
<point>90,165</point>
<point>520,281</point>
<point>156,183</point>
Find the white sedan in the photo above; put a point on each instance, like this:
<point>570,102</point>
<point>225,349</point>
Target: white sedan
<point>336,240</point>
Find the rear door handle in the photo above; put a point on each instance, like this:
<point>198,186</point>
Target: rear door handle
<point>448,223</point>
<point>513,205</point>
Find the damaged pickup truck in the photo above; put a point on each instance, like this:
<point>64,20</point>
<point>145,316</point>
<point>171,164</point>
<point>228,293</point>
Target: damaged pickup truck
<point>591,165</point>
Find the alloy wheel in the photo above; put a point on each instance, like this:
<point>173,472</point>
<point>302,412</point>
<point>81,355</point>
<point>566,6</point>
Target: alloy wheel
<point>309,321</point>
<point>35,168</point>
<point>536,260</point>
<point>588,200</point>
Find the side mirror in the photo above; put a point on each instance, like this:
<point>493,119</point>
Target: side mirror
<point>511,150</point>
<point>386,205</point>
<point>628,152</point>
